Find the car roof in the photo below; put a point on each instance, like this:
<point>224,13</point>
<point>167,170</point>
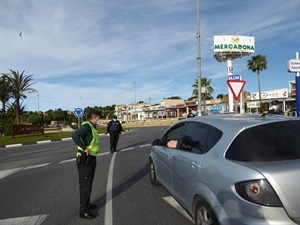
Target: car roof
<point>237,122</point>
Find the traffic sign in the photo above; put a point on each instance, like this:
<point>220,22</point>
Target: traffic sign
<point>234,77</point>
<point>294,65</point>
<point>236,87</point>
<point>215,108</point>
<point>78,112</point>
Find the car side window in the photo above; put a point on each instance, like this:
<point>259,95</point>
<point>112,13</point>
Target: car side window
<point>172,134</point>
<point>194,138</point>
<point>214,135</point>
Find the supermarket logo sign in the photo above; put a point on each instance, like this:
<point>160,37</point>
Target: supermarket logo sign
<point>228,43</point>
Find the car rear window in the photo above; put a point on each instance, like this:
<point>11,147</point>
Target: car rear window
<point>269,142</point>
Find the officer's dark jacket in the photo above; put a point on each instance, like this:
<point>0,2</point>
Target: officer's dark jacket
<point>114,126</point>
<point>278,112</point>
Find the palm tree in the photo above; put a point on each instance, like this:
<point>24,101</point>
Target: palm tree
<point>20,86</point>
<point>205,83</point>
<point>5,92</point>
<point>257,64</point>
<point>11,113</point>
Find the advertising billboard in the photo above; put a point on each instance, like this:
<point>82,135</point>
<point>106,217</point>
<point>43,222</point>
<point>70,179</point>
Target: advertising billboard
<point>273,94</point>
<point>232,46</point>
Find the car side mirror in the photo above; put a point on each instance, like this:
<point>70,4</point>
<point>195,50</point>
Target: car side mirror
<point>156,142</point>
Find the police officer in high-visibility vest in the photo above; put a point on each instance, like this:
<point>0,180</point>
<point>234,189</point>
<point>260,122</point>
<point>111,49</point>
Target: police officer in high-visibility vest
<point>114,129</point>
<point>87,140</point>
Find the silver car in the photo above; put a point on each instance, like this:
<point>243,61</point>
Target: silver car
<point>232,169</point>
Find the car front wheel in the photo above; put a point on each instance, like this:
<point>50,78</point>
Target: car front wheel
<point>204,215</point>
<point>152,174</point>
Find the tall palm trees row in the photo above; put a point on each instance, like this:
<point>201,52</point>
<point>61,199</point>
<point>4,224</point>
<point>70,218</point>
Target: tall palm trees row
<point>15,85</point>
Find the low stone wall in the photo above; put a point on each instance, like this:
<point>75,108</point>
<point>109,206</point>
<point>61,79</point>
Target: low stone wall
<point>150,123</point>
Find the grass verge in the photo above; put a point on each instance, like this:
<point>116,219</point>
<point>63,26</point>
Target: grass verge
<point>33,138</point>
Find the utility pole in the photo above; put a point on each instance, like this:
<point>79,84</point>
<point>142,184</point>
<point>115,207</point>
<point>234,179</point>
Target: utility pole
<point>199,59</point>
<point>135,101</point>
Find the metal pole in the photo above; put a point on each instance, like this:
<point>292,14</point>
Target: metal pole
<point>134,101</point>
<point>38,103</point>
<point>199,60</point>
<point>297,78</point>
<point>230,94</point>
<point>81,118</point>
<point>242,100</point>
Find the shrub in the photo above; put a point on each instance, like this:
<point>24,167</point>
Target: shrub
<point>35,119</point>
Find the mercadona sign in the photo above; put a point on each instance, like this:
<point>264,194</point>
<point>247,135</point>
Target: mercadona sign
<point>228,43</point>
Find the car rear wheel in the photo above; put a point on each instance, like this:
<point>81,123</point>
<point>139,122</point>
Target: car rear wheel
<point>204,215</point>
<point>152,174</point>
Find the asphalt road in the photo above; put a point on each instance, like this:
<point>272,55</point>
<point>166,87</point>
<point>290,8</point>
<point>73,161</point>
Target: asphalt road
<point>39,185</point>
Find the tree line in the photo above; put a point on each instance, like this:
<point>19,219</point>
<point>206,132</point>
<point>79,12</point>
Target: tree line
<point>15,86</point>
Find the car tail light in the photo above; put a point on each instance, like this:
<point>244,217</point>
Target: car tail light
<point>259,192</point>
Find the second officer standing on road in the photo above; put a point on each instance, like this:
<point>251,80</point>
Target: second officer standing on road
<point>114,129</point>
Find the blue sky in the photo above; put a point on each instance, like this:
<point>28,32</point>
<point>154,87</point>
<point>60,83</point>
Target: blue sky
<point>90,53</point>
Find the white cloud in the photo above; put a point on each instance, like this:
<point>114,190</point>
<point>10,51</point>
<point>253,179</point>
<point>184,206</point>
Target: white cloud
<point>90,49</point>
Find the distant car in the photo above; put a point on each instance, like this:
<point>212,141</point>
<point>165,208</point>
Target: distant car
<point>239,169</point>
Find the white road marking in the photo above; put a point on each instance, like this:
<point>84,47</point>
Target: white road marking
<point>146,145</point>
<point>66,139</point>
<point>130,136</point>
<point>104,153</point>
<point>5,173</point>
<point>175,204</point>
<point>13,145</point>
<point>108,206</point>
<point>36,166</point>
<point>30,220</point>
<point>41,142</point>
<point>126,149</point>
<point>67,160</point>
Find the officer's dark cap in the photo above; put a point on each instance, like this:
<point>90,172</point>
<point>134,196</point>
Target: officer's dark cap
<point>95,112</point>
<point>115,117</point>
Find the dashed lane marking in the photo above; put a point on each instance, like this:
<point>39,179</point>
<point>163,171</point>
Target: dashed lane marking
<point>30,220</point>
<point>126,149</point>
<point>5,173</point>
<point>36,166</point>
<point>146,145</point>
<point>67,160</point>
<point>175,204</point>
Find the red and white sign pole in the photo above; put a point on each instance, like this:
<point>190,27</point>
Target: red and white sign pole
<point>236,87</point>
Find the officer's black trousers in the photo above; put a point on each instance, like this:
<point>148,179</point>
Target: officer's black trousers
<point>114,138</point>
<point>86,172</point>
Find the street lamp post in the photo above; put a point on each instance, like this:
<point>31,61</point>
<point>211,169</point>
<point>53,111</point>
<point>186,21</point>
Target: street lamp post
<point>80,119</point>
<point>135,101</point>
<point>199,60</point>
<point>38,103</point>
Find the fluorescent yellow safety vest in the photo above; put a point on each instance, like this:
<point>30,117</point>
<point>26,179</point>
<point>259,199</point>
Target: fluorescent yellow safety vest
<point>94,145</point>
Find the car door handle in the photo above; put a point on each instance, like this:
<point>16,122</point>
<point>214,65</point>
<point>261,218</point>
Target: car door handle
<point>195,164</point>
